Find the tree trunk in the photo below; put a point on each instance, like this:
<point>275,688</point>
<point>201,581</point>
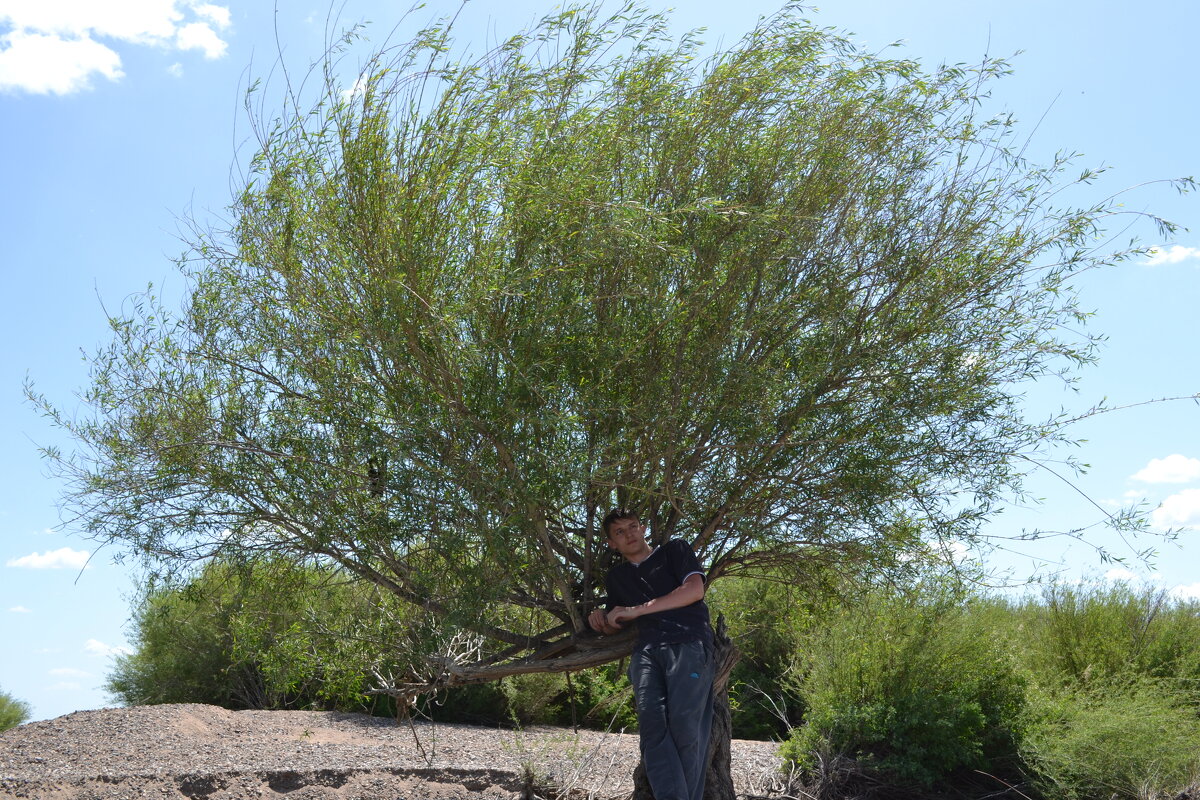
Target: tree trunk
<point>580,651</point>
<point>718,781</point>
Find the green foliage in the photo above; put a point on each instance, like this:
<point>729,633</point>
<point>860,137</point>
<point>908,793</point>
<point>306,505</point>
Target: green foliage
<point>535,698</point>
<point>1096,633</point>
<point>13,712</point>
<point>183,650</point>
<point>908,684</point>
<point>781,301</point>
<point>598,698</point>
<point>1138,740</point>
<point>767,621</point>
<point>266,634</point>
<point>272,635</point>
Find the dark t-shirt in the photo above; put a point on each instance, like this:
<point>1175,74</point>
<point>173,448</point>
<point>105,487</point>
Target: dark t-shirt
<point>660,573</point>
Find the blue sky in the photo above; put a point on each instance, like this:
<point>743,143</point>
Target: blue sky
<point>119,118</point>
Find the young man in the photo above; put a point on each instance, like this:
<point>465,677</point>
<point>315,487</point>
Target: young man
<point>671,669</point>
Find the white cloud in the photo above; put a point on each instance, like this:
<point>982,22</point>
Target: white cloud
<point>1186,592</point>
<point>1120,574</point>
<point>62,558</point>
<point>1175,468</point>
<point>357,90</point>
<point>217,15</point>
<point>1181,510</point>
<point>52,47</point>
<point>176,69</point>
<point>141,21</point>
<point>199,36</point>
<point>45,64</point>
<point>96,647</point>
<point>1170,255</point>
<point>20,610</point>
<point>70,672</point>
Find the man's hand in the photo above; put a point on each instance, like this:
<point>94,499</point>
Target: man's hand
<point>622,614</point>
<point>600,622</point>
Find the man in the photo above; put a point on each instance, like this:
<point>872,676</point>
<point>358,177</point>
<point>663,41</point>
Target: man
<point>671,668</point>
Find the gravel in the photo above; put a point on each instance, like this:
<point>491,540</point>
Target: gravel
<point>204,752</point>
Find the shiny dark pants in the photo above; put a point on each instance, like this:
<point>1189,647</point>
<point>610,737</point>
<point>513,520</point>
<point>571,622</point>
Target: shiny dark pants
<point>672,685</point>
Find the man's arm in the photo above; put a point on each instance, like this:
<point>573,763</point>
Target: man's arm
<point>598,619</point>
<point>690,591</point>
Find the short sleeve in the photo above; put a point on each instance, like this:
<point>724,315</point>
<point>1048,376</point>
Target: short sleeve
<point>684,562</point>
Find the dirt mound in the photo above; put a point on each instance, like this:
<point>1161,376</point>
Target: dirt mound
<point>208,753</point>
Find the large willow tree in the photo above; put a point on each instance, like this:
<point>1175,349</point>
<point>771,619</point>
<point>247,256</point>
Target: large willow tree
<point>782,301</point>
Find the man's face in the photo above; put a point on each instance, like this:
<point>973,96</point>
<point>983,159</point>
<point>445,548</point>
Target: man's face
<point>627,536</point>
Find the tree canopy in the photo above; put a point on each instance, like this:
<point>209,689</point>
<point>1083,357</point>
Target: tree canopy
<point>780,300</point>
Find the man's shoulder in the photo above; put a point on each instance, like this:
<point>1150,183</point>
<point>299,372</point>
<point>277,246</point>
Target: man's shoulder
<point>679,546</point>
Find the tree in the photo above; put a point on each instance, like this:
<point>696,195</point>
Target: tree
<point>781,301</point>
<point>13,712</point>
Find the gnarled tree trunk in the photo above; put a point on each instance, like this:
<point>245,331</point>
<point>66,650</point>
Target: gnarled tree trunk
<point>580,651</point>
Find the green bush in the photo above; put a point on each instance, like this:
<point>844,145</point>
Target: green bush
<point>766,620</point>
<point>183,651</point>
<point>13,712</point>
<point>594,698</point>
<point>1080,634</point>
<point>267,634</point>
<point>907,683</point>
<point>1139,741</point>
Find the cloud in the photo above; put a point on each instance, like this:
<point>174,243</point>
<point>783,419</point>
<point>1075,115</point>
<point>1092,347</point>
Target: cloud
<point>62,558</point>
<point>66,686</point>
<point>1120,574</point>
<point>217,15</point>
<point>199,36</point>
<point>1175,468</point>
<point>1181,510</point>
<point>357,90</point>
<point>54,47</point>
<point>20,610</point>
<point>70,672</point>
<point>141,21</point>
<point>176,69</point>
<point>96,647</point>
<point>46,64</point>
<point>1170,255</point>
<point>1186,592</point>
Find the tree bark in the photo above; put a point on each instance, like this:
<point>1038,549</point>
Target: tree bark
<point>718,781</point>
<point>580,651</point>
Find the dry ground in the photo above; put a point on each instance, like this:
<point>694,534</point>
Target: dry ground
<point>208,753</point>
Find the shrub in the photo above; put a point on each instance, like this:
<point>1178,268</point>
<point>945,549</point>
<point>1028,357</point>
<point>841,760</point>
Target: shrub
<point>266,634</point>
<point>1139,741</point>
<point>13,712</point>
<point>908,685</point>
<point>1106,633</point>
<point>766,620</point>
<point>270,634</point>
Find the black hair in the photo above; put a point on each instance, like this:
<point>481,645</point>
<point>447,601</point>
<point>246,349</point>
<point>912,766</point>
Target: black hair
<point>617,514</point>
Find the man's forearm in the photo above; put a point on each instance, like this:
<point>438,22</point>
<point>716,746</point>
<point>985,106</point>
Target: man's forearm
<point>691,591</point>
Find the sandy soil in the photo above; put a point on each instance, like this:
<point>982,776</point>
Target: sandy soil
<point>208,753</point>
